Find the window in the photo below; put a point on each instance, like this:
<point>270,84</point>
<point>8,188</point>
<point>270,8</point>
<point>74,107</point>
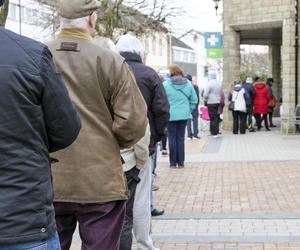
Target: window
<point>154,45</point>
<point>176,55</point>
<point>23,17</point>
<point>12,11</point>
<point>192,57</point>
<point>160,47</point>
<point>30,15</point>
<point>185,56</point>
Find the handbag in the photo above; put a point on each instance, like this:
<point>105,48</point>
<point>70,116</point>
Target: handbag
<point>272,102</point>
<point>231,106</point>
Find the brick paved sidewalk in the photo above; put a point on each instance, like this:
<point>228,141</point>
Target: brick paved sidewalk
<point>244,187</point>
<point>234,193</point>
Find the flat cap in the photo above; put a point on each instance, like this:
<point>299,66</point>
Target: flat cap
<point>73,9</point>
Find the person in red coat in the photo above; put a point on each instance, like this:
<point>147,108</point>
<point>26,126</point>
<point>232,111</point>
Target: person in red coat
<point>261,101</point>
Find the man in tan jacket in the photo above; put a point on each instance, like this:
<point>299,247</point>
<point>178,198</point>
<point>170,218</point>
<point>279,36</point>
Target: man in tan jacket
<point>89,186</point>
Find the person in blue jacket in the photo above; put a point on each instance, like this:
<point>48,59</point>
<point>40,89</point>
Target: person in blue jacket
<point>183,100</point>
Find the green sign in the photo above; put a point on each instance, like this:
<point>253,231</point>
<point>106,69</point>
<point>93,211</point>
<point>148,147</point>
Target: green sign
<point>214,53</point>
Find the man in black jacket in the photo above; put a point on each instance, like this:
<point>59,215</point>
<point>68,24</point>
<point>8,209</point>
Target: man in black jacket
<point>154,94</point>
<point>37,117</point>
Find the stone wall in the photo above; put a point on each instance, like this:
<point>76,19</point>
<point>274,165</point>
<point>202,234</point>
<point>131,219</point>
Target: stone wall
<point>261,14</point>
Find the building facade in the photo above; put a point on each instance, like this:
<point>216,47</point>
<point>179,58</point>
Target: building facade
<point>184,56</point>
<point>157,49</point>
<point>31,19</point>
<point>262,22</point>
<point>196,40</point>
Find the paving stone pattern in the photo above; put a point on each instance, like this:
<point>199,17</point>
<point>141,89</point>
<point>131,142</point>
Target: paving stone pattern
<point>240,196</point>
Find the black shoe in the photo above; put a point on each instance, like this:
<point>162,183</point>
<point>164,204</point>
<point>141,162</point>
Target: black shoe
<point>156,212</point>
<point>251,130</point>
<point>267,129</point>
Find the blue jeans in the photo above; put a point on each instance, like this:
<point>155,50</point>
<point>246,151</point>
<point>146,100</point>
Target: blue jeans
<point>192,125</point>
<point>176,132</point>
<point>51,244</point>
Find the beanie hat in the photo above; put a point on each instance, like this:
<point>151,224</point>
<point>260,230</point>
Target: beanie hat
<point>129,43</point>
<point>2,2</point>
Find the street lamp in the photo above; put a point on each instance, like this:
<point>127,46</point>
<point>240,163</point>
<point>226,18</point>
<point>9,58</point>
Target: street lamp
<point>217,5</point>
<point>20,18</point>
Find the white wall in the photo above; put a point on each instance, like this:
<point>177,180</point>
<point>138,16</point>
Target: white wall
<point>198,44</point>
<point>34,20</point>
<point>156,49</point>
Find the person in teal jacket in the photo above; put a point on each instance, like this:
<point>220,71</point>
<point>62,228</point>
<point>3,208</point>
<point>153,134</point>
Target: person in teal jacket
<point>183,100</point>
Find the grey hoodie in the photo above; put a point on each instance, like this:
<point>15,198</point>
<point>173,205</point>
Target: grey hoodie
<point>212,92</point>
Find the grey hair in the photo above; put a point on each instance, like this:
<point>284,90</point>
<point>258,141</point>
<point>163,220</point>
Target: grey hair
<point>77,23</point>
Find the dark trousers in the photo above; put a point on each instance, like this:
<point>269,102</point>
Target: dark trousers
<point>239,122</point>
<point>214,118</point>
<point>259,119</point>
<point>192,125</point>
<point>249,116</point>
<point>126,235</point>
<point>163,145</point>
<point>99,225</point>
<point>176,132</point>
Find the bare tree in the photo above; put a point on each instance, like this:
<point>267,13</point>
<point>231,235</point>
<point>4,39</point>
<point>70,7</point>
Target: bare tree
<point>137,16</point>
<point>122,16</point>
<point>4,13</point>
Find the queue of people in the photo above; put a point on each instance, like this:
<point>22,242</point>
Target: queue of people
<point>82,120</point>
<point>252,98</point>
<point>75,145</point>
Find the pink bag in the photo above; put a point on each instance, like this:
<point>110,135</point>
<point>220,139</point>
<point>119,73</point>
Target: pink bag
<point>204,115</point>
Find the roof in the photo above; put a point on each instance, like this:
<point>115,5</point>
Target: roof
<point>50,3</point>
<point>178,43</point>
<point>192,32</point>
<point>133,18</point>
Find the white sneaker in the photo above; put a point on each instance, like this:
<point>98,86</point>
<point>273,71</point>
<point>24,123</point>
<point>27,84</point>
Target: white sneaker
<point>215,136</point>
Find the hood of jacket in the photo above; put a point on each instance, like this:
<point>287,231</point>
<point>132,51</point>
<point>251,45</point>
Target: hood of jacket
<point>238,87</point>
<point>179,82</point>
<point>260,85</point>
<point>131,57</point>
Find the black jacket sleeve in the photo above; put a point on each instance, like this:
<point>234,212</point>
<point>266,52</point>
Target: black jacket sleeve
<point>160,109</point>
<point>61,119</point>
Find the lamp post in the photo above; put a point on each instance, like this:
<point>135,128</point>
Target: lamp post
<point>217,5</point>
<point>20,18</point>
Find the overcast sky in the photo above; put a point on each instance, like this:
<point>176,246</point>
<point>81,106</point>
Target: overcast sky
<point>200,15</point>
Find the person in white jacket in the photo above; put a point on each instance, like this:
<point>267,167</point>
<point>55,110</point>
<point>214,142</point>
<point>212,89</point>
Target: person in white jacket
<point>240,97</point>
<point>135,159</point>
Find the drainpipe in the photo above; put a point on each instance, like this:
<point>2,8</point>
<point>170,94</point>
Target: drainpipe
<point>296,51</point>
